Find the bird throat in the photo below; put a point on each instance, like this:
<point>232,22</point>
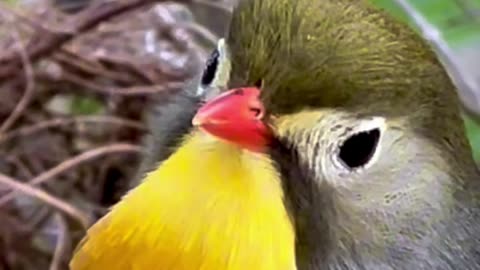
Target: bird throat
<point>210,206</point>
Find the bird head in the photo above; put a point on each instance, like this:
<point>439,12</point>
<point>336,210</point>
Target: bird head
<point>357,112</point>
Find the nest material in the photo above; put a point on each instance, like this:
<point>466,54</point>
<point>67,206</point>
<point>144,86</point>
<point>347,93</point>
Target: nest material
<point>74,91</point>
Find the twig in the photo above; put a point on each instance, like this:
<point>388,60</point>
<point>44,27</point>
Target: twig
<point>52,123</point>
<point>42,215</point>
<point>23,169</point>
<point>85,83</point>
<point>62,240</point>
<point>77,61</point>
<point>75,161</point>
<point>148,75</point>
<point>129,91</point>
<point>42,44</point>
<point>29,78</point>
<point>148,90</point>
<point>50,200</point>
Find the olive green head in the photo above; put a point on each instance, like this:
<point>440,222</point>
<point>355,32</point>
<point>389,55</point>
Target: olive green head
<point>332,53</point>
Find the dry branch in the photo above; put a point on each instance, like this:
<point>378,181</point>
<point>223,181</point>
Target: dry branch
<point>75,161</point>
<point>48,199</point>
<point>29,78</point>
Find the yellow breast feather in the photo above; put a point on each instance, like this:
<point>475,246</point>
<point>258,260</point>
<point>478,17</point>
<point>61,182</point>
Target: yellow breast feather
<point>210,206</point>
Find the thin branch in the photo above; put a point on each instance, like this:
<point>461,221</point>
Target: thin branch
<point>73,60</point>
<point>144,72</point>
<point>57,122</point>
<point>48,199</point>
<point>62,242</point>
<point>148,90</point>
<point>20,164</point>
<point>73,162</point>
<point>129,91</point>
<point>29,78</point>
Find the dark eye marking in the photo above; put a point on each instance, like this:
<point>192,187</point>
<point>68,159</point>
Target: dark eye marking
<point>359,148</point>
<point>210,68</point>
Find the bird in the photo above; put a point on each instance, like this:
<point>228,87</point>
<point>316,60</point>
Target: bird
<point>321,135</point>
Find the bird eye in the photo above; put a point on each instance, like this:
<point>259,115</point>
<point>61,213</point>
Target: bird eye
<point>216,74</point>
<point>210,68</point>
<point>358,149</point>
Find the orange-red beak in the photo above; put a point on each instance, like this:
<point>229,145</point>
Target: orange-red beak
<point>236,116</point>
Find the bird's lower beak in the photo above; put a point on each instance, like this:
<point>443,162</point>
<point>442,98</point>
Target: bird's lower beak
<point>237,117</point>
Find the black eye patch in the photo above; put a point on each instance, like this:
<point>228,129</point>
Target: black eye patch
<point>359,148</point>
<point>210,68</point>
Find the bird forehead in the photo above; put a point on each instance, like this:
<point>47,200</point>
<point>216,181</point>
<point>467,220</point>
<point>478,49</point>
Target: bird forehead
<point>321,49</point>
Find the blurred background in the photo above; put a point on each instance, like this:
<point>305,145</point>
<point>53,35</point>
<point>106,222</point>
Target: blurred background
<point>77,77</point>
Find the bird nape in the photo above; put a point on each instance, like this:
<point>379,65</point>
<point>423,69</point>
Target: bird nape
<point>340,146</point>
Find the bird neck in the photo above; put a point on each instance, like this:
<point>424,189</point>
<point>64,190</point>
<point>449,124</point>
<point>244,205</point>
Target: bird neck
<point>214,206</point>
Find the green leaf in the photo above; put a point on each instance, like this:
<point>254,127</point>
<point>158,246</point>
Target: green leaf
<point>81,105</point>
<point>473,133</point>
<point>458,20</point>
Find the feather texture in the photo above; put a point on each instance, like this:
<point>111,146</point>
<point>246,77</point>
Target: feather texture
<point>209,206</point>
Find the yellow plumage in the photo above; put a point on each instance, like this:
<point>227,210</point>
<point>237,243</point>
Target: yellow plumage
<point>210,206</point>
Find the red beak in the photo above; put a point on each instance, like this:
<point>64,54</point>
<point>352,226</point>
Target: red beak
<point>236,116</point>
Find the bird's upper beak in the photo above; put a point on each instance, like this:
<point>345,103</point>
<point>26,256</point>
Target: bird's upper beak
<point>236,116</point>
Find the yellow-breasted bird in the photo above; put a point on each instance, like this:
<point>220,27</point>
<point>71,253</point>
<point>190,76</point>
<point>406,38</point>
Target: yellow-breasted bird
<point>340,146</point>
